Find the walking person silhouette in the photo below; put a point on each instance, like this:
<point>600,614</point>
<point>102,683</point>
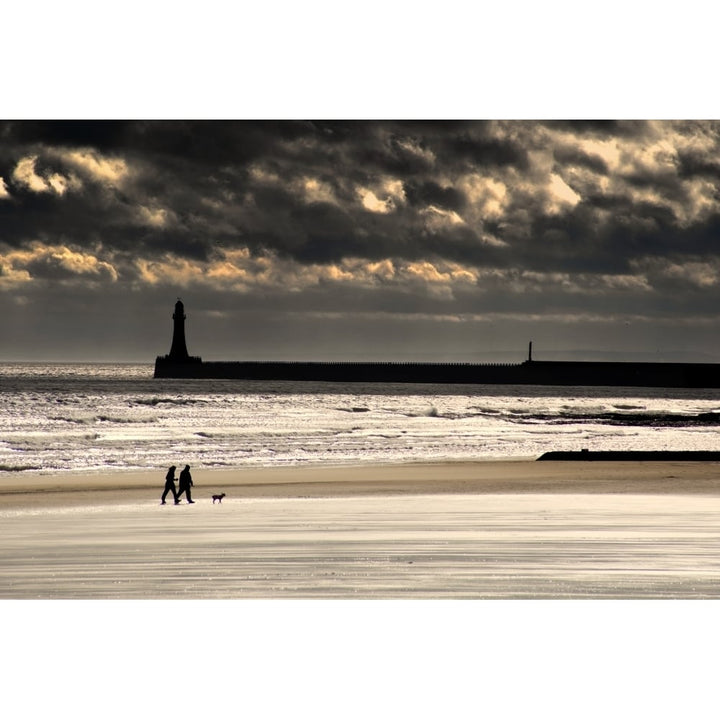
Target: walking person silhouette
<point>185,484</point>
<point>170,486</point>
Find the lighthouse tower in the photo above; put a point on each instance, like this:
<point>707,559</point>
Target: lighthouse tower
<point>178,351</point>
<point>177,363</point>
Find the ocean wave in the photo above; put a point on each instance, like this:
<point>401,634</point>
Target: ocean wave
<point>73,420</point>
<point>543,430</point>
<point>124,420</point>
<point>520,411</point>
<point>70,423</point>
<point>154,401</point>
<point>93,419</point>
<point>646,419</point>
<point>585,406</point>
<point>429,412</point>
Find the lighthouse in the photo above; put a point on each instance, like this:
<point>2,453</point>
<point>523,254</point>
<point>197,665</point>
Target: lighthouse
<point>177,363</point>
<point>178,351</point>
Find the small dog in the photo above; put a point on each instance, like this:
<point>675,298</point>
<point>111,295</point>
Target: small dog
<point>218,498</point>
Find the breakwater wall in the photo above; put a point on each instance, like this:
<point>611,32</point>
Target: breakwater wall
<point>632,456</point>
<point>530,372</point>
<point>390,372</point>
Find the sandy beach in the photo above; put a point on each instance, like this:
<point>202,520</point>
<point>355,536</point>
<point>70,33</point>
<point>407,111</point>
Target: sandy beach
<point>501,530</point>
<point>508,477</point>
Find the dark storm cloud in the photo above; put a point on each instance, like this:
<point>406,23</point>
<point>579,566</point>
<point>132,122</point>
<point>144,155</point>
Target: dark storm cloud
<point>202,141</point>
<point>430,193</point>
<point>692,164</point>
<point>175,166</point>
<point>384,155</point>
<point>569,156</point>
<point>190,187</point>
<point>608,128</point>
<point>486,152</point>
<point>197,173</point>
<point>104,134</point>
<point>431,217</point>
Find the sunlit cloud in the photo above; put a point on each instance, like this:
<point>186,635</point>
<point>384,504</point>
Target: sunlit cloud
<point>102,169</point>
<point>170,271</point>
<point>412,146</point>
<point>25,174</point>
<point>487,197</point>
<point>692,274</point>
<point>372,203</point>
<point>561,193</point>
<point>154,217</point>
<point>317,191</point>
<point>48,262</point>
<point>436,219</point>
<point>261,174</point>
<point>12,273</point>
<point>384,198</point>
<point>607,150</point>
<point>80,263</point>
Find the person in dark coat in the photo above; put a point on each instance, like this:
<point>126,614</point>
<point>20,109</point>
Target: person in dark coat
<point>185,484</point>
<point>170,486</point>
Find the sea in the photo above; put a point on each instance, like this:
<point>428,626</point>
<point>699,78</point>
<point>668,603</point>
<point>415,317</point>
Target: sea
<point>105,418</point>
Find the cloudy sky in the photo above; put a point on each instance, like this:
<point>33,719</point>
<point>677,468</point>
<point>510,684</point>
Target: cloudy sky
<point>443,240</point>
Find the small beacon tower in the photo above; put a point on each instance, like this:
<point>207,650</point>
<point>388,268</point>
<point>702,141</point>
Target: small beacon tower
<point>178,351</point>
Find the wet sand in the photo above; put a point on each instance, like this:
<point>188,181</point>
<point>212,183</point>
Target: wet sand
<point>500,530</point>
<point>506,477</point>
<point>433,532</point>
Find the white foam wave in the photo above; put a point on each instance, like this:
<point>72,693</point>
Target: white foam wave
<point>72,421</point>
